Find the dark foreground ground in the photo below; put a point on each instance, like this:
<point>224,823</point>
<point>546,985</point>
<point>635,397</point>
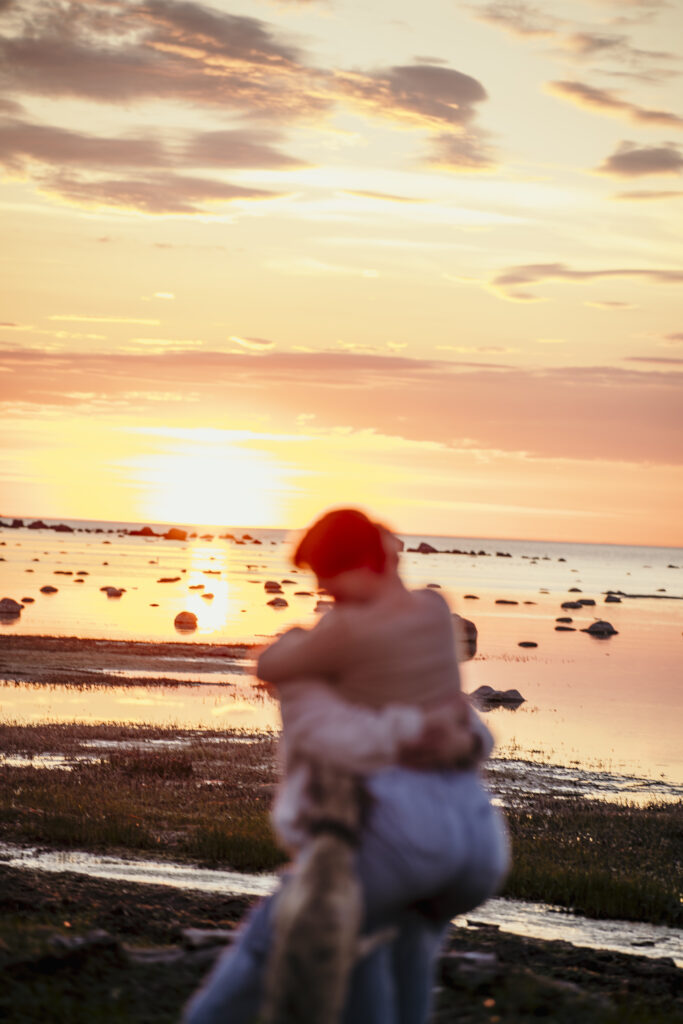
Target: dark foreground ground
<point>74,949</point>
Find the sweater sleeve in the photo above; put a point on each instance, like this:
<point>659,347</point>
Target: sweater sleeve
<point>320,725</point>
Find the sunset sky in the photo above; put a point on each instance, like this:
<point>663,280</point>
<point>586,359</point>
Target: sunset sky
<point>261,257</point>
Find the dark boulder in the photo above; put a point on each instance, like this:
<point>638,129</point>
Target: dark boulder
<point>185,621</point>
<point>10,609</point>
<point>612,599</point>
<point>38,525</point>
<point>487,697</point>
<point>48,589</point>
<point>527,643</point>
<point>601,629</point>
<point>146,531</point>
<point>278,602</point>
<point>571,604</point>
<point>175,534</point>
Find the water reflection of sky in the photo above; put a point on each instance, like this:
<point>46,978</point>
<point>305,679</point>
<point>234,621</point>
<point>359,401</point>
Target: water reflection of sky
<point>235,574</point>
<point>189,707</point>
<point>615,703</point>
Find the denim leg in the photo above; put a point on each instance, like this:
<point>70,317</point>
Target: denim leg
<point>371,997</point>
<point>413,957</point>
<point>231,993</point>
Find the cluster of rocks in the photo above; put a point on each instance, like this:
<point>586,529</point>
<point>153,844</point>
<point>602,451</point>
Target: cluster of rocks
<point>428,549</point>
<point>486,697</point>
<point>424,548</point>
<point>275,591</point>
<point>173,533</point>
<point>37,524</point>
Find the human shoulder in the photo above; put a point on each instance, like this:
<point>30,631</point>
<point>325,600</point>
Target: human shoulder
<point>433,599</point>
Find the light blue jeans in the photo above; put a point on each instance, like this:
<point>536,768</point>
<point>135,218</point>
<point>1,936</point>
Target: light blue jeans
<point>428,833</point>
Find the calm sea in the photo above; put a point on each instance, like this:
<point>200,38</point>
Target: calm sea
<point>609,704</point>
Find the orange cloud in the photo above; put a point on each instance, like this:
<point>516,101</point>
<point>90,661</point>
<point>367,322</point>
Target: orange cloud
<point>590,98</point>
<point>583,413</point>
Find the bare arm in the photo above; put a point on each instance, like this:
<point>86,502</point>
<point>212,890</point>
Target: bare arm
<point>301,653</point>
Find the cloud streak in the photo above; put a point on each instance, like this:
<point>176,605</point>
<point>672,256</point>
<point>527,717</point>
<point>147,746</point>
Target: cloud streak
<point>546,413</point>
<point>607,102</point>
<point>633,161</point>
<point>507,284</point>
<point>69,164</point>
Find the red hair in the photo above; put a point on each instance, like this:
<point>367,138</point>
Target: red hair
<point>341,540</point>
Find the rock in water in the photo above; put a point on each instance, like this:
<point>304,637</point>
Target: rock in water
<point>175,534</point>
<point>424,549</point>
<point>487,697</point>
<point>278,602</point>
<point>601,629</point>
<point>10,609</point>
<point>185,621</point>
<point>48,589</point>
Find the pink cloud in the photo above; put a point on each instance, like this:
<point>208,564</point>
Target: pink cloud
<point>585,413</point>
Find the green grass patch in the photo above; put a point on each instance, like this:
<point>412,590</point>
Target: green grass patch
<point>599,859</point>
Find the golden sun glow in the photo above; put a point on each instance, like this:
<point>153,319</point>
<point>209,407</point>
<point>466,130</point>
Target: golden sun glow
<point>219,483</point>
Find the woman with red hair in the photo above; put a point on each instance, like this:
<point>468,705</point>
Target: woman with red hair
<point>374,688</point>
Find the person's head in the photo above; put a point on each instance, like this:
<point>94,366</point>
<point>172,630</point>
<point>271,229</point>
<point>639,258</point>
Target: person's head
<point>349,553</point>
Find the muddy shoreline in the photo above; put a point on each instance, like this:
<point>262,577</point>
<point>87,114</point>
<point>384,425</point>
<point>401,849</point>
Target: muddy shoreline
<point>141,969</point>
<point>76,660</point>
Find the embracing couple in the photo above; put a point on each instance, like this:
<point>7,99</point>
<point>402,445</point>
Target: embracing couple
<point>382,753</point>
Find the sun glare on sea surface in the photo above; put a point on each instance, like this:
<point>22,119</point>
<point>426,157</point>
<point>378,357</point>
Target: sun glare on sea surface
<point>217,483</point>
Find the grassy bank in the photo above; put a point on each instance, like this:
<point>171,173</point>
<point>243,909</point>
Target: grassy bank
<point>599,859</point>
<point>206,800</point>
